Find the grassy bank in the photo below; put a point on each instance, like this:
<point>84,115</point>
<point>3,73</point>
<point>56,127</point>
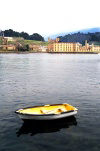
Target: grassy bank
<point>29,42</point>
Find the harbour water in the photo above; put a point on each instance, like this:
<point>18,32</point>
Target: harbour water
<point>36,79</point>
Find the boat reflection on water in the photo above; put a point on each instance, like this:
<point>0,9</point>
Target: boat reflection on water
<point>35,127</point>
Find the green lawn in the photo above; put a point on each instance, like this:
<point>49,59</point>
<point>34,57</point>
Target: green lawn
<point>25,42</point>
<point>0,42</point>
<point>36,42</point>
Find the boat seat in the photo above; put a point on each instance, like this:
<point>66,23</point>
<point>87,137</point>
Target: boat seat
<point>54,111</point>
<point>60,110</point>
<point>47,112</point>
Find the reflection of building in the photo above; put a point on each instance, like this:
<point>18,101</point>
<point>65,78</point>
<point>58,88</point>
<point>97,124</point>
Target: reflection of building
<point>70,47</point>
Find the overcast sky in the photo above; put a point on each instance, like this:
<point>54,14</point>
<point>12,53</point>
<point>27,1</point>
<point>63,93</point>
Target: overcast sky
<point>49,16</point>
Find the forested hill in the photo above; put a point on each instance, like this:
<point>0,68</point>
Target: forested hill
<point>11,33</point>
<point>80,37</point>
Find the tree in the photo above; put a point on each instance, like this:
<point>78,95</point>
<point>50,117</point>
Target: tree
<point>24,35</point>
<point>36,36</point>
<point>11,33</point>
<point>27,47</point>
<point>22,47</point>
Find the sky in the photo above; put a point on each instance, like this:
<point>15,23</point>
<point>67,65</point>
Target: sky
<point>48,17</point>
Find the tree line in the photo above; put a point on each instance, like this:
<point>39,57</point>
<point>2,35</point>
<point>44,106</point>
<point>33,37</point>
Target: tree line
<point>80,37</point>
<point>12,33</point>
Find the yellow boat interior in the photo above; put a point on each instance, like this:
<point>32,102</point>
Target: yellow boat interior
<point>48,109</point>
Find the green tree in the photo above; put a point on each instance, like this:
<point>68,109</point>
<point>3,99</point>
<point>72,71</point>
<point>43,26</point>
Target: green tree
<point>36,36</point>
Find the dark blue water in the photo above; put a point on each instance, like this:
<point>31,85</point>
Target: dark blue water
<point>36,79</point>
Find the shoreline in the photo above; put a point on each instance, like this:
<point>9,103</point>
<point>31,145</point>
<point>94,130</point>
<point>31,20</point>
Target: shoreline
<point>21,52</point>
<point>27,52</point>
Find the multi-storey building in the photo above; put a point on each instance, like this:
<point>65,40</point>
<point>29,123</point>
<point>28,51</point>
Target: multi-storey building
<point>66,47</point>
<point>95,48</point>
<point>70,47</point>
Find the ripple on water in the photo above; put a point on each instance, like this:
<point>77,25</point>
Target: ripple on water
<point>34,79</point>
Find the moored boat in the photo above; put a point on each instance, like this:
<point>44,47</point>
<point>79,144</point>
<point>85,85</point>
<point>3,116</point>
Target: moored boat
<point>47,112</point>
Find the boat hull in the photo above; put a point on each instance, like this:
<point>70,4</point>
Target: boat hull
<point>47,116</point>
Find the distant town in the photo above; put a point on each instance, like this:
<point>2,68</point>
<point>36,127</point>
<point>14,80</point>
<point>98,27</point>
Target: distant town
<point>11,41</point>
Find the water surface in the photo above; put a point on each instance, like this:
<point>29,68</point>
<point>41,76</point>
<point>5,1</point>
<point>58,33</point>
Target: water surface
<point>34,79</point>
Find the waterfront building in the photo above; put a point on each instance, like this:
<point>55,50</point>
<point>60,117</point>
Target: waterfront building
<point>95,48</point>
<point>66,47</point>
<point>72,47</point>
<point>63,46</point>
<point>43,48</point>
<point>8,47</point>
<point>35,48</point>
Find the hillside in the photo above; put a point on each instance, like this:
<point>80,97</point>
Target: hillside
<point>80,37</point>
<point>84,31</point>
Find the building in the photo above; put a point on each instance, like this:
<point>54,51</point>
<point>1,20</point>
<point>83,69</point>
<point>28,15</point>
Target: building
<point>95,48</point>
<point>63,46</point>
<point>8,47</point>
<point>66,47</point>
<point>9,38</point>
<point>43,48</point>
<point>34,48</point>
<point>72,47</point>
